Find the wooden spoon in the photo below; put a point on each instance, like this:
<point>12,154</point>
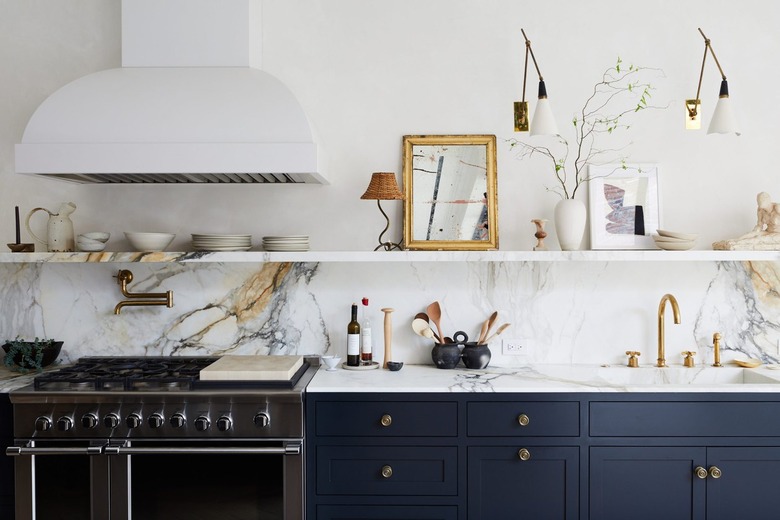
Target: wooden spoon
<point>421,328</point>
<point>491,322</point>
<point>434,313</point>
<point>498,331</point>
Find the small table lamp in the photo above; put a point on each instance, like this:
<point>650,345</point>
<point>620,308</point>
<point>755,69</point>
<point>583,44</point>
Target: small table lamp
<point>383,187</point>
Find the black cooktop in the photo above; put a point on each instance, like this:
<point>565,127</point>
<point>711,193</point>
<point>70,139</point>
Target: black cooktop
<point>178,373</point>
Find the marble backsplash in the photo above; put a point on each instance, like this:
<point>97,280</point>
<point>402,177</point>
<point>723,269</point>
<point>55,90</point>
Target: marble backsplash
<point>560,312</point>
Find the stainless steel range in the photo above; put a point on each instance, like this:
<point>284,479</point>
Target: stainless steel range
<point>145,438</point>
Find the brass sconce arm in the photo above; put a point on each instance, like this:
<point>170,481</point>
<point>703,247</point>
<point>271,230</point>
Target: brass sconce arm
<point>693,104</point>
<point>124,277</point>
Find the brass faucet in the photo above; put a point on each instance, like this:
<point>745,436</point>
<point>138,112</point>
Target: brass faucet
<point>124,277</point>
<point>661,308</point>
<point>716,346</point>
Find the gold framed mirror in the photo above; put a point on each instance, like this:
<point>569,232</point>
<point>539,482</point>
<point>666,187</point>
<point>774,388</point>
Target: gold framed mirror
<point>450,188</point>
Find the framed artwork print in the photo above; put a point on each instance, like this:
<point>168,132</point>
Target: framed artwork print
<point>625,206</point>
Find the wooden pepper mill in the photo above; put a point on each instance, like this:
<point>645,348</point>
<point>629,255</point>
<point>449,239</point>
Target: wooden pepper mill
<point>388,336</point>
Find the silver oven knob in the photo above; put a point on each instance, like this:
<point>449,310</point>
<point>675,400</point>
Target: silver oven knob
<point>64,424</point>
<point>133,420</point>
<point>89,420</point>
<point>224,423</point>
<point>156,420</point>
<point>42,424</point>
<point>202,423</point>
<point>111,421</point>
<point>178,420</point>
<point>262,420</point>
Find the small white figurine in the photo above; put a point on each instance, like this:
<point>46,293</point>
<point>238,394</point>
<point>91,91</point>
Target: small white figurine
<point>765,236</point>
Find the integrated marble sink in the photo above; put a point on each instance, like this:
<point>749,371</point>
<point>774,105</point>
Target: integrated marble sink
<point>647,376</point>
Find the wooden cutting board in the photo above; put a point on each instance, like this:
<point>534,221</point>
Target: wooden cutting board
<point>252,368</point>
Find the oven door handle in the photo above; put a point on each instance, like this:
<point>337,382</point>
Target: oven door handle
<point>292,448</point>
<point>16,451</point>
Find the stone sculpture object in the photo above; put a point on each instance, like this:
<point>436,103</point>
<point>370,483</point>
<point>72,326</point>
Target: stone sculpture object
<point>765,236</point>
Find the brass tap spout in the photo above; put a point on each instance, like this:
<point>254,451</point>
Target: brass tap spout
<point>716,347</point>
<point>124,277</point>
<point>661,308</point>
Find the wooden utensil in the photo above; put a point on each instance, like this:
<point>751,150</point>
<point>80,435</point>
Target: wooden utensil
<point>498,331</point>
<point>491,322</point>
<point>434,313</point>
<point>388,336</point>
<point>421,328</point>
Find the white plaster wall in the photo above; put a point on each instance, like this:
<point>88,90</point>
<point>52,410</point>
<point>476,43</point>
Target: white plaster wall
<point>369,71</point>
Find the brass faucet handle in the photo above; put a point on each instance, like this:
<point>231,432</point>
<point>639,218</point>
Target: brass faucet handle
<point>688,361</point>
<point>716,348</point>
<point>633,362</point>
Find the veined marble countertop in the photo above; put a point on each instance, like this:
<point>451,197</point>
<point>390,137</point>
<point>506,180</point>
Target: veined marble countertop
<point>550,378</point>
<point>10,380</point>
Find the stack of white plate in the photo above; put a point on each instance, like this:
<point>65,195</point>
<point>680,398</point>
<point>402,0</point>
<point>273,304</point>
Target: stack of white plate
<point>217,242</point>
<point>286,243</point>
<point>674,241</point>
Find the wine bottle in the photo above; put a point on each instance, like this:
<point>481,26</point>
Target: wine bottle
<point>366,347</point>
<point>353,339</point>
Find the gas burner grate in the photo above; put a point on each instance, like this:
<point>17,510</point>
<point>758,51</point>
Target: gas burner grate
<point>145,374</point>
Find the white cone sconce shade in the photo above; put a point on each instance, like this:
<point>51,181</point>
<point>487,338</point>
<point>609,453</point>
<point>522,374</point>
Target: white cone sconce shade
<point>723,119</point>
<point>543,121</point>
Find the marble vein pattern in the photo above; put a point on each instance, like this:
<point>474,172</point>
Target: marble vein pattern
<point>560,312</point>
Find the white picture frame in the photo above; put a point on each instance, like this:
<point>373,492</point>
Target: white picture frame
<point>624,206</point>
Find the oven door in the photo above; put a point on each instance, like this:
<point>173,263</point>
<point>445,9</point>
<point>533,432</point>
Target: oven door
<point>175,479</point>
<point>60,479</point>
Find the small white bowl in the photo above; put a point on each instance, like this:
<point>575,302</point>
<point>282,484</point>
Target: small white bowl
<point>331,362</point>
<point>149,242</point>
<point>92,246</point>
<point>100,236</point>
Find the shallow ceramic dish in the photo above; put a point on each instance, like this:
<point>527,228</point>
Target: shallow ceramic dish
<point>91,246</point>
<point>149,242</point>
<point>675,234</point>
<point>676,246</point>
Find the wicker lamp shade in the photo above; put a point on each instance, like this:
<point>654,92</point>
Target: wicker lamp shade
<point>383,187</point>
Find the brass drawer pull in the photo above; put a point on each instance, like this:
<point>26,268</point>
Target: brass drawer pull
<point>387,471</point>
<point>523,419</point>
<point>524,454</point>
<point>386,420</point>
<point>715,472</point>
<point>700,472</point>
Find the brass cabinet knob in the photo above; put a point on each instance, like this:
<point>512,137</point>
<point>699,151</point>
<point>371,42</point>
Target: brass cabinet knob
<point>700,472</point>
<point>387,471</point>
<point>523,419</point>
<point>715,472</point>
<point>524,454</point>
<point>386,420</point>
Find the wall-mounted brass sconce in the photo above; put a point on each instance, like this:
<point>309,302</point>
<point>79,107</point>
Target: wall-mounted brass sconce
<point>543,122</point>
<point>723,121</point>
<point>124,277</point>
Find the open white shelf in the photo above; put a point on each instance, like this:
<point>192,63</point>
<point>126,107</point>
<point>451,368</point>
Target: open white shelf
<point>396,256</point>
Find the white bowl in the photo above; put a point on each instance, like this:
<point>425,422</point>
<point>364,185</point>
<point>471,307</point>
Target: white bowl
<point>331,362</point>
<point>82,240</point>
<point>149,242</point>
<point>675,234</point>
<point>100,236</point>
<point>92,246</point>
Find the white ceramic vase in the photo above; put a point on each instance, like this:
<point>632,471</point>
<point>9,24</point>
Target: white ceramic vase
<point>570,221</point>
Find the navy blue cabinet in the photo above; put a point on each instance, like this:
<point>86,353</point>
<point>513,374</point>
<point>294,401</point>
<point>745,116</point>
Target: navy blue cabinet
<point>539,482</point>
<point>589,456</point>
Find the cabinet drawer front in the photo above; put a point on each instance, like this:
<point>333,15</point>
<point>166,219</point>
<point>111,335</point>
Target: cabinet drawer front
<point>391,418</point>
<point>684,419</point>
<point>518,418</point>
<point>384,512</point>
<point>363,470</point>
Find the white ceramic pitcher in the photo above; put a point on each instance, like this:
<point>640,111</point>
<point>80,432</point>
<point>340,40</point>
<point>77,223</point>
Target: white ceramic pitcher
<point>59,231</point>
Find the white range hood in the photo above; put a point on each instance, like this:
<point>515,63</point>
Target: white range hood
<point>189,105</point>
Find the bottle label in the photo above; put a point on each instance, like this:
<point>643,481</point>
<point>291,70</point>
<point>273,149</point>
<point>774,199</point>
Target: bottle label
<point>353,344</point>
<point>366,335</point>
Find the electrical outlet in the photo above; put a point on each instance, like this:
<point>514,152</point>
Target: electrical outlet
<point>514,347</point>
